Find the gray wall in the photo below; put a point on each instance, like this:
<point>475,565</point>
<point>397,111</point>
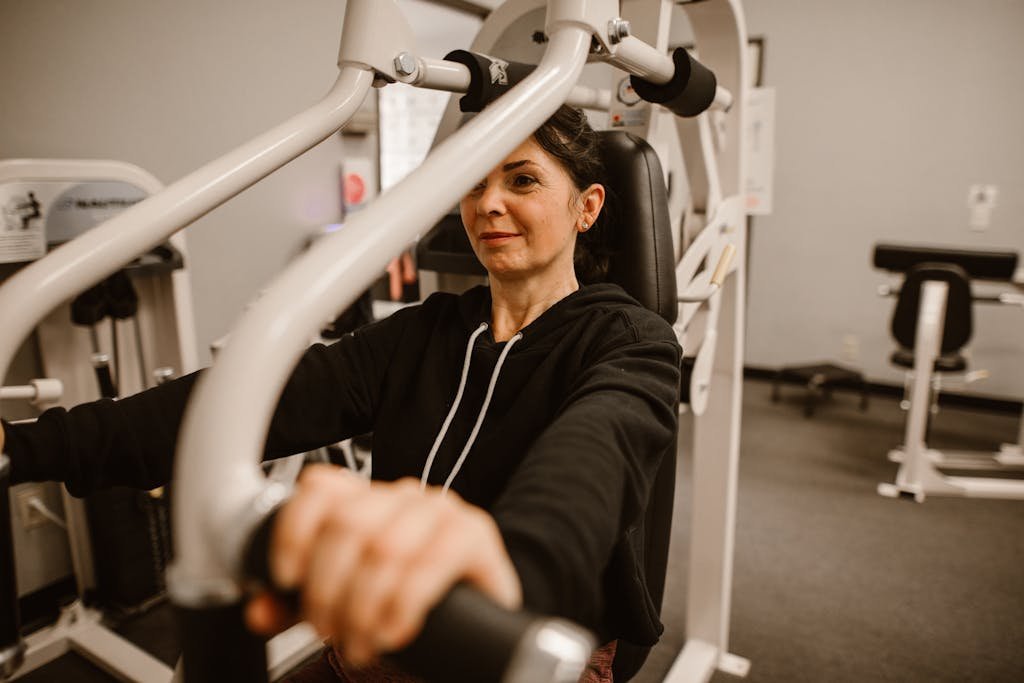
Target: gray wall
<point>887,113</point>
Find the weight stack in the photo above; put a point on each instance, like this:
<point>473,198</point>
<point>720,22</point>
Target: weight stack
<point>130,534</point>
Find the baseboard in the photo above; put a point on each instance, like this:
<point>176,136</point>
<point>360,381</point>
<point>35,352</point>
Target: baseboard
<point>946,398</point>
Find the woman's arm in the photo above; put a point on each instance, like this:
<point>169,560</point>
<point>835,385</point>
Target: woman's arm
<point>585,480</point>
<point>103,443</point>
<point>332,394</point>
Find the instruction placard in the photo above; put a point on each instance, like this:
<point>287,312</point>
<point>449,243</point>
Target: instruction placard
<point>37,214</point>
<point>22,222</point>
<point>760,150</point>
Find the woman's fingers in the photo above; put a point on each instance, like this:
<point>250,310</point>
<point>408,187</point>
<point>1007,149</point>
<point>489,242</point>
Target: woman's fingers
<point>386,564</point>
<point>373,560</point>
<point>339,556</point>
<point>320,490</point>
<point>468,548</point>
<point>266,616</point>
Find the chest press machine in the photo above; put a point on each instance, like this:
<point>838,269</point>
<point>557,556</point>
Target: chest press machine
<point>215,524</point>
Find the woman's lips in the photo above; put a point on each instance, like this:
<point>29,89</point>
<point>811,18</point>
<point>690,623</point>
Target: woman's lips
<point>496,237</point>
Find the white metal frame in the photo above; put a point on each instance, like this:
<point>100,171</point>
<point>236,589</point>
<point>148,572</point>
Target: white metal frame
<point>232,404</point>
<point>919,474</point>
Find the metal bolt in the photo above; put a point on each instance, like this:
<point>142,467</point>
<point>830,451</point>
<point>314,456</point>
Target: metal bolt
<point>617,30</point>
<point>163,375</point>
<point>405,64</point>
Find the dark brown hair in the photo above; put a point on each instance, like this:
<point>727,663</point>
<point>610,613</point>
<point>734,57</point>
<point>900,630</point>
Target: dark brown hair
<point>568,137</point>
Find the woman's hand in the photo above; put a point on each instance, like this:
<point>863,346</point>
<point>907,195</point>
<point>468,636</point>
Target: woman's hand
<point>401,271</point>
<point>372,560</point>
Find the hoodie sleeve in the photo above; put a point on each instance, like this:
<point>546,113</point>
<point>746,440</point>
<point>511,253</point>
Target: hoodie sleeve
<point>585,480</point>
<point>332,394</point>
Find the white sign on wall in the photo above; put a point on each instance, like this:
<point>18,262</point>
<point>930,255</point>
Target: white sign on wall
<point>408,121</point>
<point>760,150</point>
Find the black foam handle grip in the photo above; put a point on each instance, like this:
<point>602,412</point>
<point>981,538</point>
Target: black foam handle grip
<point>216,646</point>
<point>489,77</point>
<point>91,306</point>
<point>10,619</point>
<point>467,638</point>
<point>123,300</point>
<point>690,92</point>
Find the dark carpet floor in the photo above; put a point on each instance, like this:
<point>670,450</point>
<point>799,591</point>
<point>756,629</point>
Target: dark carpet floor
<point>836,583</point>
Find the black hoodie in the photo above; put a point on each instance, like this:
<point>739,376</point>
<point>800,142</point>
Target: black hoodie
<point>581,409</point>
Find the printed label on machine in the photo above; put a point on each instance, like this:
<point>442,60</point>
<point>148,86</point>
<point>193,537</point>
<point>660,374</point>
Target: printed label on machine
<point>22,233</point>
<point>83,206</point>
<point>37,214</point>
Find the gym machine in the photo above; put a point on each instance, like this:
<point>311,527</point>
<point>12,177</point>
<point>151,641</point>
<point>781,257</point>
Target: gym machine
<point>215,524</point>
<point>932,322</point>
<point>707,203</point>
<point>150,337</point>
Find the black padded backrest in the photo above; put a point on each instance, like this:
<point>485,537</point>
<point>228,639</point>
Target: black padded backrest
<point>958,323</point>
<point>980,264</point>
<point>643,259</point>
<point>643,263</point>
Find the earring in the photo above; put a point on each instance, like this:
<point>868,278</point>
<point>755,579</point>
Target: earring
<point>584,227</point>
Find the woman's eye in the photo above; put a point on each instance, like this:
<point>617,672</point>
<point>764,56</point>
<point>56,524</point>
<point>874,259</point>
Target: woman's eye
<point>523,181</point>
<point>477,189</point>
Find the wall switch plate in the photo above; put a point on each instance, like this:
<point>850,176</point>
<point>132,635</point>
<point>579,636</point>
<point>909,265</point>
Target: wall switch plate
<point>981,200</point>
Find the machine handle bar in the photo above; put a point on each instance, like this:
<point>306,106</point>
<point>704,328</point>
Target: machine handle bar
<point>467,637</point>
<point>36,392</point>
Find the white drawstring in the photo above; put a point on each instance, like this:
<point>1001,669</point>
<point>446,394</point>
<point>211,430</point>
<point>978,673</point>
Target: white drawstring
<point>455,406</point>
<point>483,412</point>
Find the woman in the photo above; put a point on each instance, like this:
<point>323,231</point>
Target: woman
<point>545,405</point>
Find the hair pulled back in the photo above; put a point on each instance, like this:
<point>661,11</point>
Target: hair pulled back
<point>568,137</point>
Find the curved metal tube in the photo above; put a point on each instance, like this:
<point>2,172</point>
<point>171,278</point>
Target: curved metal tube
<point>89,258</point>
<point>227,419</point>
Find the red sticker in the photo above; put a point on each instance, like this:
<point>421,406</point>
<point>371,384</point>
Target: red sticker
<point>355,189</point>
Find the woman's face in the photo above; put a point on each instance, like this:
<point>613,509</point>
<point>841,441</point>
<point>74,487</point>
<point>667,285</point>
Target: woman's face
<point>522,219</point>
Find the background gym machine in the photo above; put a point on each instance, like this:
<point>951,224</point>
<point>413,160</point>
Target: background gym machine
<point>932,323</point>
<point>129,332</point>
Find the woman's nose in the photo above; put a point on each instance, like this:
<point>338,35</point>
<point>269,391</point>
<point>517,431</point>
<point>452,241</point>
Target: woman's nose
<point>491,201</point>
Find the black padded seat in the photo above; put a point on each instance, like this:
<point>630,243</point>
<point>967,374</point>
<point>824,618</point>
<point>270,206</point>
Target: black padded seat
<point>947,362</point>
<point>957,324</point>
<point>643,263</point>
